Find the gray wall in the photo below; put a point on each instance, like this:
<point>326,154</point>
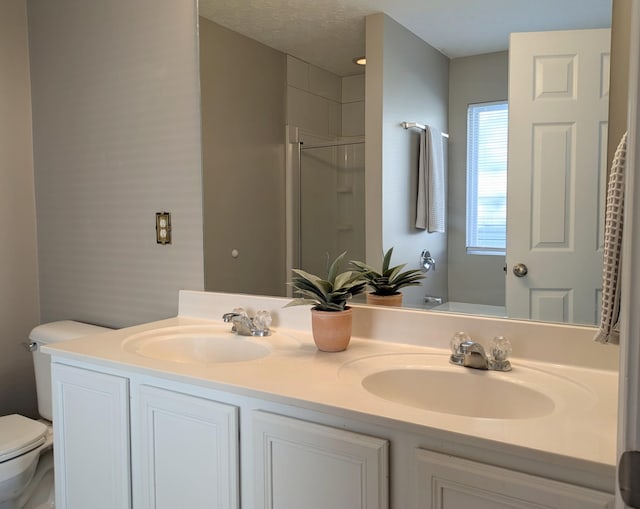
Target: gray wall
<point>116,138</point>
<point>482,78</point>
<point>407,80</point>
<point>18,264</point>
<point>243,87</point>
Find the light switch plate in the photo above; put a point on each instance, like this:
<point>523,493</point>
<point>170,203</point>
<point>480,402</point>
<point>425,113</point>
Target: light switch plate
<point>163,227</point>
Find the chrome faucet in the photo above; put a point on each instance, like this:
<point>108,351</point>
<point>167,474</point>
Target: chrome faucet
<point>246,326</point>
<point>470,354</point>
<point>473,355</point>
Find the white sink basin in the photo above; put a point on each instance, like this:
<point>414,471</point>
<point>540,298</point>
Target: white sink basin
<point>470,394</point>
<point>197,344</point>
<point>428,382</point>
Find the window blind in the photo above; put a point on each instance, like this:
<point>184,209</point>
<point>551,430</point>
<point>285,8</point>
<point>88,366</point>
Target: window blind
<point>487,137</point>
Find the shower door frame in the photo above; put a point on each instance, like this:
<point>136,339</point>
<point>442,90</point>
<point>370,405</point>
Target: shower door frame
<point>295,137</point>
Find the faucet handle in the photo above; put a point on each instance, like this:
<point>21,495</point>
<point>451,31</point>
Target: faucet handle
<point>457,340</point>
<point>262,321</point>
<point>499,350</point>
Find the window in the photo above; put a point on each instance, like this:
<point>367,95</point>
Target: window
<point>487,127</point>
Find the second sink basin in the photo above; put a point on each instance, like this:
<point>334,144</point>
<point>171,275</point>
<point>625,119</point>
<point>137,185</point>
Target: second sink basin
<point>428,382</point>
<point>196,344</point>
<point>471,394</point>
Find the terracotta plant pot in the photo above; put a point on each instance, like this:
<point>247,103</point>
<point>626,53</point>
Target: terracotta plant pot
<point>331,329</point>
<point>385,300</point>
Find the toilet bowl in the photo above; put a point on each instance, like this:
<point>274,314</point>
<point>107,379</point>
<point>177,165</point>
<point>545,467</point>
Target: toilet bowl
<point>25,459</point>
<point>26,445</point>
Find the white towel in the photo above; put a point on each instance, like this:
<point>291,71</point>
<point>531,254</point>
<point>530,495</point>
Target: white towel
<point>431,202</point>
<point>609,331</point>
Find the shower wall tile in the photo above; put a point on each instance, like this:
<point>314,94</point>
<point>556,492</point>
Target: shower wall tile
<point>353,88</point>
<point>315,100</point>
<point>297,73</point>
<point>353,119</point>
<point>325,84</point>
<point>313,79</point>
<point>335,119</point>
<point>311,112</point>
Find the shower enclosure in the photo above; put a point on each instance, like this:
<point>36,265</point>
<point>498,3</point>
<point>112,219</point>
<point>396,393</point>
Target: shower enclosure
<point>327,202</point>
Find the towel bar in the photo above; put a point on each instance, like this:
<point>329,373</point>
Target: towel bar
<point>409,125</point>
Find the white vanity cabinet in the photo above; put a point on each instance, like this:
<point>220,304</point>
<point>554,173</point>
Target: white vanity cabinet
<point>91,433</point>
<point>299,464</point>
<point>165,450</point>
<point>184,451</point>
<point>127,439</point>
<point>447,482</point>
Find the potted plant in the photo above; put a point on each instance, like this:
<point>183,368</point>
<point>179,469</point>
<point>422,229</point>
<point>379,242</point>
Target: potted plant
<point>330,315</point>
<point>387,282</point>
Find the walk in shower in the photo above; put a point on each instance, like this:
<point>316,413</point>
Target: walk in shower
<point>328,218</point>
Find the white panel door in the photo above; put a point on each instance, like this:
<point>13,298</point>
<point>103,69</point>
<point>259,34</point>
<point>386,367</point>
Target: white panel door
<point>629,379</point>
<point>447,482</point>
<point>91,439</point>
<point>558,111</point>
<point>302,465</point>
<point>184,451</point>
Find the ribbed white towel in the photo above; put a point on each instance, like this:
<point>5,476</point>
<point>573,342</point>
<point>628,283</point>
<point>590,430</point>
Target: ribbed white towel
<point>431,202</point>
<point>609,331</point>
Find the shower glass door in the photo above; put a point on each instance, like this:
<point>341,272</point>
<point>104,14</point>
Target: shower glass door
<point>331,204</point>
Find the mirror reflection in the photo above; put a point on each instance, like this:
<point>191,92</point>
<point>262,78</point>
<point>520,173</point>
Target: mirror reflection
<point>284,150</point>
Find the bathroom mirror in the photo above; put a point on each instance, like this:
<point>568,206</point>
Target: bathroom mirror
<point>245,213</point>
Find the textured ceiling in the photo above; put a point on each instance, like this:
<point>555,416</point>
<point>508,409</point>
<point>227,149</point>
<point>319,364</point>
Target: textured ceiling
<point>330,33</point>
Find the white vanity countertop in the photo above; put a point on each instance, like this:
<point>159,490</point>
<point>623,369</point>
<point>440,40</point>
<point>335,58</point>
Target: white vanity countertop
<point>297,373</point>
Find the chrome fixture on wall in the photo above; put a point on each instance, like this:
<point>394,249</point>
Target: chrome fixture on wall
<point>427,262</point>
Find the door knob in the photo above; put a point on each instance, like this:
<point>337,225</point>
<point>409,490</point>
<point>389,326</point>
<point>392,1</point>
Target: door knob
<point>520,270</point>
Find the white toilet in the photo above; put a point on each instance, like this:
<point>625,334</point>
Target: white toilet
<point>26,445</point>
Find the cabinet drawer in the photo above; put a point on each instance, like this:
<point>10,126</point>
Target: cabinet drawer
<point>447,482</point>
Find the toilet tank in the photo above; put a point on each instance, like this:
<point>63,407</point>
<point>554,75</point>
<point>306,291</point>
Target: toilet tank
<point>45,334</point>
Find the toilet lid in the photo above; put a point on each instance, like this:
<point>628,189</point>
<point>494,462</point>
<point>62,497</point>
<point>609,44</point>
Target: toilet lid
<point>19,435</point>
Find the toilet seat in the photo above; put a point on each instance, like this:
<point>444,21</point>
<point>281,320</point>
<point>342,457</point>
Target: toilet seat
<point>19,435</point>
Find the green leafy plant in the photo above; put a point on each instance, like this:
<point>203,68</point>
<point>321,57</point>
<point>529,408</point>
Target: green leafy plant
<point>389,280</point>
<point>330,294</point>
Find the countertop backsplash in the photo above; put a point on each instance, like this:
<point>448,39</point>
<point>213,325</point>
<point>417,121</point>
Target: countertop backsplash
<point>546,342</point>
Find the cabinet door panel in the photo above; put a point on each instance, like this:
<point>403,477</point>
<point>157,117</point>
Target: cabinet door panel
<point>447,482</point>
<point>304,465</point>
<point>187,450</point>
<point>91,434</point>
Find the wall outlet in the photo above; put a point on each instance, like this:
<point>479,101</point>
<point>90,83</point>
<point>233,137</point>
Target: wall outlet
<point>163,227</point>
